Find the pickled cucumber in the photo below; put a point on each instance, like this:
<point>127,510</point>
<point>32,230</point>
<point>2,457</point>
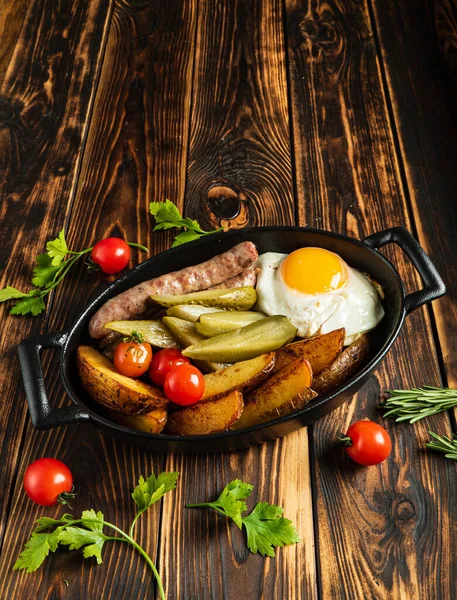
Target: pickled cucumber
<point>190,312</point>
<point>247,342</point>
<point>186,334</point>
<point>153,332</point>
<point>242,298</point>
<point>213,324</point>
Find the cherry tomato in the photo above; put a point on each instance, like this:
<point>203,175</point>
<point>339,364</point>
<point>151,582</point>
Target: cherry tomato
<point>368,443</point>
<point>46,480</point>
<point>112,254</point>
<point>184,385</point>
<point>163,362</point>
<point>133,358</point>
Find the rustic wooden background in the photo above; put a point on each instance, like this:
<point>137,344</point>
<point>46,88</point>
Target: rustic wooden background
<point>336,114</point>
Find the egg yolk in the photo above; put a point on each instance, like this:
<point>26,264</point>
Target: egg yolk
<point>314,271</point>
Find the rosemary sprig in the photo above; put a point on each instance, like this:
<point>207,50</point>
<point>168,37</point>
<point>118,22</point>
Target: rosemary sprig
<point>441,443</point>
<point>418,403</point>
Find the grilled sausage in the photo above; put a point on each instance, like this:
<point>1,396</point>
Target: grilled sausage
<point>246,277</point>
<point>135,301</point>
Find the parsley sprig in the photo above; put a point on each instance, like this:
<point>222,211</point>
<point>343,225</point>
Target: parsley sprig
<point>167,216</point>
<point>265,526</point>
<point>50,269</point>
<point>88,531</point>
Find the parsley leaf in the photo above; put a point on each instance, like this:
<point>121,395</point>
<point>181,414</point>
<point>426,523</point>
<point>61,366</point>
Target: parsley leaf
<point>149,491</point>
<point>57,249</point>
<point>9,293</point>
<point>44,272</point>
<point>92,537</point>
<point>33,304</point>
<point>265,526</point>
<point>37,549</point>
<point>167,216</point>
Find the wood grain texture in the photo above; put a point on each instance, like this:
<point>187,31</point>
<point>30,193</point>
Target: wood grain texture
<point>44,104</point>
<point>239,143</point>
<point>12,16</point>
<point>239,157</point>
<point>135,152</point>
<point>421,80</point>
<point>374,525</point>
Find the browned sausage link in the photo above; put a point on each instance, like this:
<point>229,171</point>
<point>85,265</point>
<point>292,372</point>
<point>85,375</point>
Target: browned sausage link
<point>246,277</point>
<point>134,301</point>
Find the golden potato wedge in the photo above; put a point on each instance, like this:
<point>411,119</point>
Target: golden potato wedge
<point>150,422</point>
<point>284,392</point>
<point>111,389</point>
<point>343,367</point>
<point>319,351</point>
<point>241,376</point>
<point>206,417</point>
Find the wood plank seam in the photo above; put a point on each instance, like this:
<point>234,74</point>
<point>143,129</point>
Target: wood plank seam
<point>65,225</point>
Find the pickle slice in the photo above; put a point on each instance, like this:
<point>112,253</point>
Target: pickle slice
<point>248,342</point>
<point>242,298</point>
<point>153,332</point>
<point>186,334</point>
<point>213,324</point>
<point>190,312</point>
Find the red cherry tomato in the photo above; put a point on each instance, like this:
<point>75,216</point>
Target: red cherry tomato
<point>184,385</point>
<point>112,254</point>
<point>46,479</point>
<point>132,358</point>
<point>163,362</point>
<point>370,443</point>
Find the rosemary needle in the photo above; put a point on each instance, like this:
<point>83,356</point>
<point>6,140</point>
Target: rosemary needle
<point>441,443</point>
<point>418,403</point>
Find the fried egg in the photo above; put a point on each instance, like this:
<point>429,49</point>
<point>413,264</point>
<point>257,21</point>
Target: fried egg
<point>318,292</point>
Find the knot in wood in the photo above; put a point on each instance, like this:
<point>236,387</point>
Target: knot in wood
<point>6,109</point>
<point>405,510</point>
<point>319,32</point>
<point>227,205</point>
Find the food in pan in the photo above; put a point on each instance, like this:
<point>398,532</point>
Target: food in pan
<point>318,292</point>
<point>258,352</point>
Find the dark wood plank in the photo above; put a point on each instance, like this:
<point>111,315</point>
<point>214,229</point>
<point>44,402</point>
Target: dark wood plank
<point>417,42</point>
<point>45,101</point>
<point>373,524</point>
<point>12,16</point>
<point>239,174</point>
<point>136,151</point>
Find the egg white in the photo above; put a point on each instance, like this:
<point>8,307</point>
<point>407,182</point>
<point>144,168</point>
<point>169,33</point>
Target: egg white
<point>356,306</point>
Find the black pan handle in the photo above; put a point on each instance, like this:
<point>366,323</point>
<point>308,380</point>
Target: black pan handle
<point>42,414</point>
<point>433,284</point>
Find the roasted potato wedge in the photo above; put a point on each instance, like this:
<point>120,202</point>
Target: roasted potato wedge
<point>319,351</point>
<point>242,376</point>
<point>150,422</point>
<point>206,417</point>
<point>343,367</point>
<point>113,390</point>
<point>284,392</point>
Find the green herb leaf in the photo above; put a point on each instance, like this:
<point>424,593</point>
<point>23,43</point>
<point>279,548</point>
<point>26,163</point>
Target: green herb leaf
<point>418,403</point>
<point>267,528</point>
<point>149,491</point>
<point>33,304</point>
<point>167,216</point>
<point>441,443</point>
<point>10,293</point>
<point>184,237</point>
<point>76,537</point>
<point>47,522</point>
<point>44,272</point>
<point>57,249</point>
<point>37,549</point>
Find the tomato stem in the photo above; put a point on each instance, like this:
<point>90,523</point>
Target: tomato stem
<point>139,246</point>
<point>344,439</point>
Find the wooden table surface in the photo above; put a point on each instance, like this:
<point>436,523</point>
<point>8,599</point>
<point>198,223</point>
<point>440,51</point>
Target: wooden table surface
<point>339,115</point>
